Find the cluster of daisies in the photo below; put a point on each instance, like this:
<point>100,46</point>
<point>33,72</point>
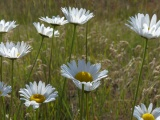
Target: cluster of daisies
<point>81,73</point>
<point>149,29</point>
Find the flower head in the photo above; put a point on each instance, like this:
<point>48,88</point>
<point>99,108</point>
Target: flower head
<point>55,20</point>
<point>7,26</point>
<point>35,94</point>
<point>4,89</point>
<point>142,113</point>
<point>56,33</point>
<point>84,73</point>
<point>13,51</point>
<point>77,16</point>
<point>145,27</point>
<point>42,30</point>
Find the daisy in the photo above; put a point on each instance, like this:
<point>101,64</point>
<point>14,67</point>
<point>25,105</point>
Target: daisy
<point>55,20</point>
<point>56,33</point>
<point>4,89</point>
<point>42,30</point>
<point>7,26</point>
<point>77,16</point>
<point>14,51</point>
<point>84,73</point>
<point>142,113</point>
<point>145,27</point>
<point>35,94</point>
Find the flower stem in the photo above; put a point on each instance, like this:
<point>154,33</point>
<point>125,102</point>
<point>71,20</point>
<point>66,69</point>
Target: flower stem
<point>1,67</point>
<point>37,114</point>
<point>4,109</point>
<point>139,77</point>
<point>12,84</point>
<point>19,110</point>
<point>1,56</point>
<point>82,103</point>
<point>86,42</point>
<point>50,61</point>
<point>73,37</point>
<point>36,58</point>
<point>87,111</point>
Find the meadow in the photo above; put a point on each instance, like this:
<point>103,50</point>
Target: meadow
<point>110,42</point>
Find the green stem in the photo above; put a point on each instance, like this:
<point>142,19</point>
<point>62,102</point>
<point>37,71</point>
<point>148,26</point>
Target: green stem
<point>82,103</point>
<point>87,110</point>
<point>18,110</point>
<point>63,96</point>
<point>1,67</point>
<point>50,64</point>
<point>1,56</point>
<point>139,77</point>
<point>12,84</point>
<point>86,42</point>
<point>36,58</point>
<point>73,37</point>
<point>37,114</point>
<point>3,108</point>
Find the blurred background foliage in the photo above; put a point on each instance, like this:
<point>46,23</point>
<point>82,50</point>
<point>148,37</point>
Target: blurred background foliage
<point>29,10</point>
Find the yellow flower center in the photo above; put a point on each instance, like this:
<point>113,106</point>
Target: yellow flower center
<point>84,77</point>
<point>148,116</point>
<point>38,98</point>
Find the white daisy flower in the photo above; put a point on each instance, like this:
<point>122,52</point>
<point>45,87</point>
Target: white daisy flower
<point>7,26</point>
<point>42,30</point>
<point>77,16</point>
<point>4,89</point>
<point>83,73</point>
<point>35,94</point>
<point>145,27</point>
<point>13,51</point>
<point>142,113</point>
<point>55,20</point>
<point>56,33</point>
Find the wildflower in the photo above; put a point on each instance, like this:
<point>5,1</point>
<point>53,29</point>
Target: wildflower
<point>84,73</point>
<point>142,113</point>
<point>35,94</point>
<point>4,89</point>
<point>145,27</point>
<point>13,51</point>
<point>56,33</point>
<point>55,20</point>
<point>77,16</point>
<point>42,30</point>
<point>7,26</point>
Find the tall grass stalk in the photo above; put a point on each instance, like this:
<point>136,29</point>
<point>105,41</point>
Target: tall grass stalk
<point>139,77</point>
<point>35,59</point>
<point>18,111</point>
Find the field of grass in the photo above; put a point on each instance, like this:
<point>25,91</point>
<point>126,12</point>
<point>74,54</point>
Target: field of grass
<point>110,42</point>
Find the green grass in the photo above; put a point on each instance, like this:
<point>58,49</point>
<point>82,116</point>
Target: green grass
<point>110,42</point>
